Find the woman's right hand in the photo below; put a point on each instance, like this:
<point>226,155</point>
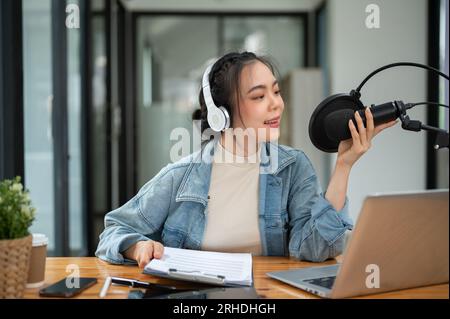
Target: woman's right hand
<point>144,251</point>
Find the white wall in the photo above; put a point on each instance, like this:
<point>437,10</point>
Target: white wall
<point>302,92</point>
<point>397,159</point>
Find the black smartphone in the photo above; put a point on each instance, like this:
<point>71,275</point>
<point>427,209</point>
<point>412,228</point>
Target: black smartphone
<point>60,289</point>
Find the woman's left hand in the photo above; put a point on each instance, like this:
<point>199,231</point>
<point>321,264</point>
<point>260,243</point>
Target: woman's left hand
<point>349,151</point>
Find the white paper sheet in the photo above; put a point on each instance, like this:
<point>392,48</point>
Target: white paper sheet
<point>235,268</point>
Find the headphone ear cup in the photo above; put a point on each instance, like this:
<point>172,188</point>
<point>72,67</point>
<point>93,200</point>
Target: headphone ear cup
<point>227,117</point>
<point>216,119</point>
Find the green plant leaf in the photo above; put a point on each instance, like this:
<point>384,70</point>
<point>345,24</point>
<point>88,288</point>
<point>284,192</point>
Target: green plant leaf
<point>16,210</point>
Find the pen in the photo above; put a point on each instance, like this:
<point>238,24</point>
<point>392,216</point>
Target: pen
<point>105,287</point>
<point>139,284</point>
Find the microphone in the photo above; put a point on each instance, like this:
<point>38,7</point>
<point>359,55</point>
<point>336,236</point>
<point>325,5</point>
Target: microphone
<point>329,122</point>
<point>336,123</point>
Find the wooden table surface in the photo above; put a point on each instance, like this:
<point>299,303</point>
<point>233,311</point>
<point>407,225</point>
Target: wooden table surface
<point>266,287</point>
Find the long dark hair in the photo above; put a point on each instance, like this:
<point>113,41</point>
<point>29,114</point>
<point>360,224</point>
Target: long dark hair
<point>224,80</point>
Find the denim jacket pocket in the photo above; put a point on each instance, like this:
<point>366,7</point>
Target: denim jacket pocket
<point>172,237</point>
<point>277,234</point>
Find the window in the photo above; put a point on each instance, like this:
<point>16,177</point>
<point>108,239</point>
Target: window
<point>52,124</point>
<point>38,98</point>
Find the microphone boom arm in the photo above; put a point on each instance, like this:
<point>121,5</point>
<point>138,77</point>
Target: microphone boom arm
<point>442,137</point>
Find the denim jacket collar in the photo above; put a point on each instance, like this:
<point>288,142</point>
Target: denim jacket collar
<point>196,180</point>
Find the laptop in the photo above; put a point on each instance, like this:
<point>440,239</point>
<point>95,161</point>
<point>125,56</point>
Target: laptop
<point>400,241</point>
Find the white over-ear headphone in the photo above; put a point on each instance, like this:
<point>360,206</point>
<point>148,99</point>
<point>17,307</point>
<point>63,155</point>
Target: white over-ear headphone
<point>218,117</point>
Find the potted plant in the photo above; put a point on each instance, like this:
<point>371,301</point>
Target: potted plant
<point>16,216</point>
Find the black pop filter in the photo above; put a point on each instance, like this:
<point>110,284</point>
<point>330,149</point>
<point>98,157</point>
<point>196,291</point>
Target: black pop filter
<point>317,131</point>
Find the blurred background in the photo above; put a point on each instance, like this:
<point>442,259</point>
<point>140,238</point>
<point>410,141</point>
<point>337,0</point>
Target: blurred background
<point>90,92</point>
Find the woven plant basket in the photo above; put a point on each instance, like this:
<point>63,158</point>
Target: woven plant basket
<point>14,263</point>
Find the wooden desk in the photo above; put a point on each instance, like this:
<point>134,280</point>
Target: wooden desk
<point>266,287</point>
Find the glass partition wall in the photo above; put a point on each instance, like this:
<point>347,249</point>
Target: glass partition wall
<point>172,52</point>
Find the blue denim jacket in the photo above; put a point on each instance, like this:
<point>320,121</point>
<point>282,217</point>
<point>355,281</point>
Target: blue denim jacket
<point>295,219</point>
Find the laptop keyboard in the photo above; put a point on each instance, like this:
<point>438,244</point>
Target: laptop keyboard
<point>326,282</point>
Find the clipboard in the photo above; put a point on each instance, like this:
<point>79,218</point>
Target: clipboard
<point>178,264</point>
<point>192,276</point>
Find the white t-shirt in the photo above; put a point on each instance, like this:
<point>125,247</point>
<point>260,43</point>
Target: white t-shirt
<point>232,214</point>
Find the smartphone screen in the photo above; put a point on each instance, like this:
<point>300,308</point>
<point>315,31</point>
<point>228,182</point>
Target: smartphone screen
<point>60,288</point>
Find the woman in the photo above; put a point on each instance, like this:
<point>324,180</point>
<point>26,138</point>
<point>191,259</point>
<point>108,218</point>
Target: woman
<point>207,201</point>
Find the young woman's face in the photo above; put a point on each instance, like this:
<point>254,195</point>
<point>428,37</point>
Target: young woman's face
<point>260,102</point>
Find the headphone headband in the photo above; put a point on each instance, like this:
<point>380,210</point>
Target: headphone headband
<point>207,89</point>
